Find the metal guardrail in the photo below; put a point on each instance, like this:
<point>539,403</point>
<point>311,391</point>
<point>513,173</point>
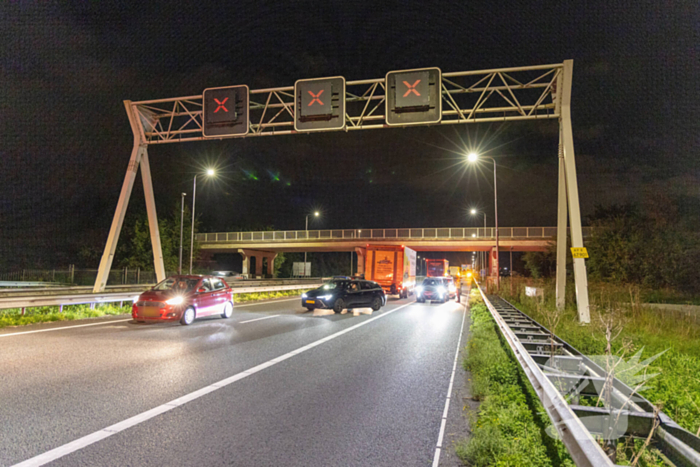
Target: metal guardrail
<point>27,284</point>
<point>447,233</point>
<point>551,364</point>
<point>111,297</point>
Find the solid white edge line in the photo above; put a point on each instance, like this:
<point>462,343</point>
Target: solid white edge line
<point>257,319</point>
<point>61,451</point>
<point>61,328</point>
<point>443,422</point>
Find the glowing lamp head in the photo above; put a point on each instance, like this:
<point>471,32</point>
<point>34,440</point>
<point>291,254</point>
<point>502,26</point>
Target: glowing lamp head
<point>210,172</point>
<point>316,213</point>
<point>473,211</point>
<point>472,157</point>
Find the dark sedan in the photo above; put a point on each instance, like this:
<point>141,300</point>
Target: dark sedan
<point>345,294</point>
<point>184,298</point>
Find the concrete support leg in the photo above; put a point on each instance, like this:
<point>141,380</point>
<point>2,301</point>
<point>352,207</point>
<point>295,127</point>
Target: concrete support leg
<point>361,252</point>
<point>271,265</point>
<point>561,233</point>
<point>245,269</point>
<point>567,136</point>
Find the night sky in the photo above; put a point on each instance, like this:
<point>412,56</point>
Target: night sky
<point>65,140</point>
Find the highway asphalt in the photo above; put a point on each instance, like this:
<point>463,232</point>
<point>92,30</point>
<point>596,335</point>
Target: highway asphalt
<point>365,390</point>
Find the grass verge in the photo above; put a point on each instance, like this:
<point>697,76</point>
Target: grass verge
<point>44,314</point>
<point>509,427</point>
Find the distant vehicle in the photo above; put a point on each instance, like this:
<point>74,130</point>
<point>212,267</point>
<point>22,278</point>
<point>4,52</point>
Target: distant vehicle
<point>231,275</point>
<point>392,267</point>
<point>184,298</point>
<point>345,294</point>
<point>432,289</point>
<point>455,271</point>
<point>437,267</point>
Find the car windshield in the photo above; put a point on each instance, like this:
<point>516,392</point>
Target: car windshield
<point>432,282</point>
<point>177,284</point>
<point>334,285</point>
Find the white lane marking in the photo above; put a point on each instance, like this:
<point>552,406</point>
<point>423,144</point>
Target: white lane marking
<point>61,328</point>
<point>92,438</point>
<point>443,423</point>
<point>266,303</point>
<point>258,319</point>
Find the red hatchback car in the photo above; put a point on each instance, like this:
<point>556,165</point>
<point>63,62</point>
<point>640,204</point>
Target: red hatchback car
<point>184,298</point>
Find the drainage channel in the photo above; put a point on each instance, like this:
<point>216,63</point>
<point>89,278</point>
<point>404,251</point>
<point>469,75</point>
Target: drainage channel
<point>565,379</point>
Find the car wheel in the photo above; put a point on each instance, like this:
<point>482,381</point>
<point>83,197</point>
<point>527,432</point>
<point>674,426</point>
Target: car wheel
<point>188,316</point>
<point>420,300</point>
<point>339,305</point>
<point>310,308</point>
<point>376,303</point>
<point>228,310</point>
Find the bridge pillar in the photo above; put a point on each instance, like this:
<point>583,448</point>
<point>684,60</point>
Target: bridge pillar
<point>270,264</point>
<point>258,255</point>
<point>494,262</point>
<point>361,253</point>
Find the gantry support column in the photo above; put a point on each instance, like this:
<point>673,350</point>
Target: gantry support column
<point>361,253</point>
<point>562,219</point>
<point>567,137</point>
<point>139,156</point>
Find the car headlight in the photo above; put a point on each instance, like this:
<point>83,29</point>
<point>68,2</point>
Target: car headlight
<point>174,301</point>
<point>452,288</point>
<point>325,297</point>
<point>441,289</point>
<point>419,289</point>
<point>303,295</point>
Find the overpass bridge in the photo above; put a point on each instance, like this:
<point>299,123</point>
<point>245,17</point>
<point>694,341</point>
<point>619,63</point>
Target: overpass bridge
<point>266,244</point>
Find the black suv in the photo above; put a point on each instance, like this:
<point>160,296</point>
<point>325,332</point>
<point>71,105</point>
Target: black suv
<point>345,294</point>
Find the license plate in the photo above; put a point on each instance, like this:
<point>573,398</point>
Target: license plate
<point>311,301</point>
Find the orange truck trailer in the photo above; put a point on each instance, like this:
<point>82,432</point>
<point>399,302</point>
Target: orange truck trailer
<point>392,267</point>
<point>437,267</point>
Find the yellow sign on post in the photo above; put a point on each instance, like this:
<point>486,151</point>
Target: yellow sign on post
<point>579,252</point>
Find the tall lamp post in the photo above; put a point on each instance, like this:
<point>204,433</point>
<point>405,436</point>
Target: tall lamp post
<point>182,218</point>
<point>307,237</point>
<point>482,256</point>
<point>473,157</point>
<point>210,173</point>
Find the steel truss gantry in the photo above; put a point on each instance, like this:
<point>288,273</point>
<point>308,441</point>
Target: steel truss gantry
<point>496,95</point>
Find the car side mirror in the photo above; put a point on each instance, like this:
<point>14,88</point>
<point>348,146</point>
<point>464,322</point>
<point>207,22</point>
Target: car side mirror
<point>201,290</point>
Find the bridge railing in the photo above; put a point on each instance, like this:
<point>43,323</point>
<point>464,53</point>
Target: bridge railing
<point>446,233</point>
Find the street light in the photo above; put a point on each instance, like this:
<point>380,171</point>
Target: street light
<point>182,217</point>
<point>210,173</point>
<point>307,237</point>
<point>482,257</point>
<point>472,158</point>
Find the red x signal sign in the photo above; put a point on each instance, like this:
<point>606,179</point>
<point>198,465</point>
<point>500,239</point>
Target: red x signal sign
<point>411,88</point>
<point>220,105</point>
<point>225,111</point>
<point>316,98</point>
